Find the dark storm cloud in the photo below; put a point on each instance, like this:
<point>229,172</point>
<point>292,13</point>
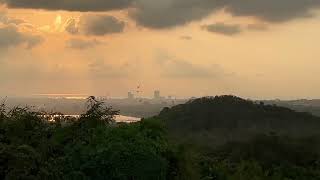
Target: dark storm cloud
<point>225,29</point>
<point>98,25</point>
<point>169,13</point>
<point>272,10</point>
<point>70,5</point>
<point>10,36</point>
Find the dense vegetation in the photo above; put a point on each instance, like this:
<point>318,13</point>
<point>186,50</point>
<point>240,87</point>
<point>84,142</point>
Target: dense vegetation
<point>229,118</point>
<point>92,148</point>
<point>96,147</point>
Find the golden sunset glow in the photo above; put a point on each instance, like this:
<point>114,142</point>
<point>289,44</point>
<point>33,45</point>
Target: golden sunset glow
<point>99,52</point>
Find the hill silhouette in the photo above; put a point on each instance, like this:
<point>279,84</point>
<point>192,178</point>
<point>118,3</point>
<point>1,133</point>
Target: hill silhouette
<point>237,117</point>
<point>96,147</point>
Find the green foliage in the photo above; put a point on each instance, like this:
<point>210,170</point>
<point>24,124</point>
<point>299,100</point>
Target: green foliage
<point>97,114</point>
<point>96,147</point>
<point>228,118</point>
<point>265,157</point>
<point>122,152</point>
<point>222,136</point>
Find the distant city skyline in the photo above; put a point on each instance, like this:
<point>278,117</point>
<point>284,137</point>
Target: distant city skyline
<point>125,96</point>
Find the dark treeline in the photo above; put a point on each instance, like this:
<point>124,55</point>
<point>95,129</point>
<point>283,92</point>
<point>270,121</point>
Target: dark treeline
<point>94,147</point>
<point>218,138</point>
<point>228,118</point>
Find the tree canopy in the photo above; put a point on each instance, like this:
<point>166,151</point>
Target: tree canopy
<point>96,147</point>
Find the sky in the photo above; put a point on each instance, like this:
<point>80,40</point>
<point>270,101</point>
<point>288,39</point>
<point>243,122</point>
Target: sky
<point>263,49</point>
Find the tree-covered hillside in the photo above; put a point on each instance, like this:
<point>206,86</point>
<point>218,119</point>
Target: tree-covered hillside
<point>236,117</point>
<point>95,147</point>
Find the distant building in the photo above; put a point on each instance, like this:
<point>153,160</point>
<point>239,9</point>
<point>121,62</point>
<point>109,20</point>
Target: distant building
<point>156,94</point>
<point>130,95</point>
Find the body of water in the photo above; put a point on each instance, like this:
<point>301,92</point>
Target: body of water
<point>128,119</point>
<point>119,118</point>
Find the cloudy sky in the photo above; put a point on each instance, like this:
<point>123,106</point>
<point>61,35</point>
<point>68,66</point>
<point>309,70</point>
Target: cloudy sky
<point>251,48</point>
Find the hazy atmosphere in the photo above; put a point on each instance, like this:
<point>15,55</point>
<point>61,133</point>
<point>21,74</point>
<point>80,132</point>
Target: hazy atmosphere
<point>251,48</point>
<point>159,90</point>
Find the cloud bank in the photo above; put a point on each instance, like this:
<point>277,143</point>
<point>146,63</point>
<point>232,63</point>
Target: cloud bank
<point>4,19</point>
<point>169,13</point>
<point>10,36</point>
<point>97,25</point>
<point>225,29</point>
<point>69,5</point>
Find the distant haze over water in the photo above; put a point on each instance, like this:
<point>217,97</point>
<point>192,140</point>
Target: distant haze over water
<point>67,96</point>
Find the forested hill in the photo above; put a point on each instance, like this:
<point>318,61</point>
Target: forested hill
<point>95,147</point>
<point>233,114</point>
